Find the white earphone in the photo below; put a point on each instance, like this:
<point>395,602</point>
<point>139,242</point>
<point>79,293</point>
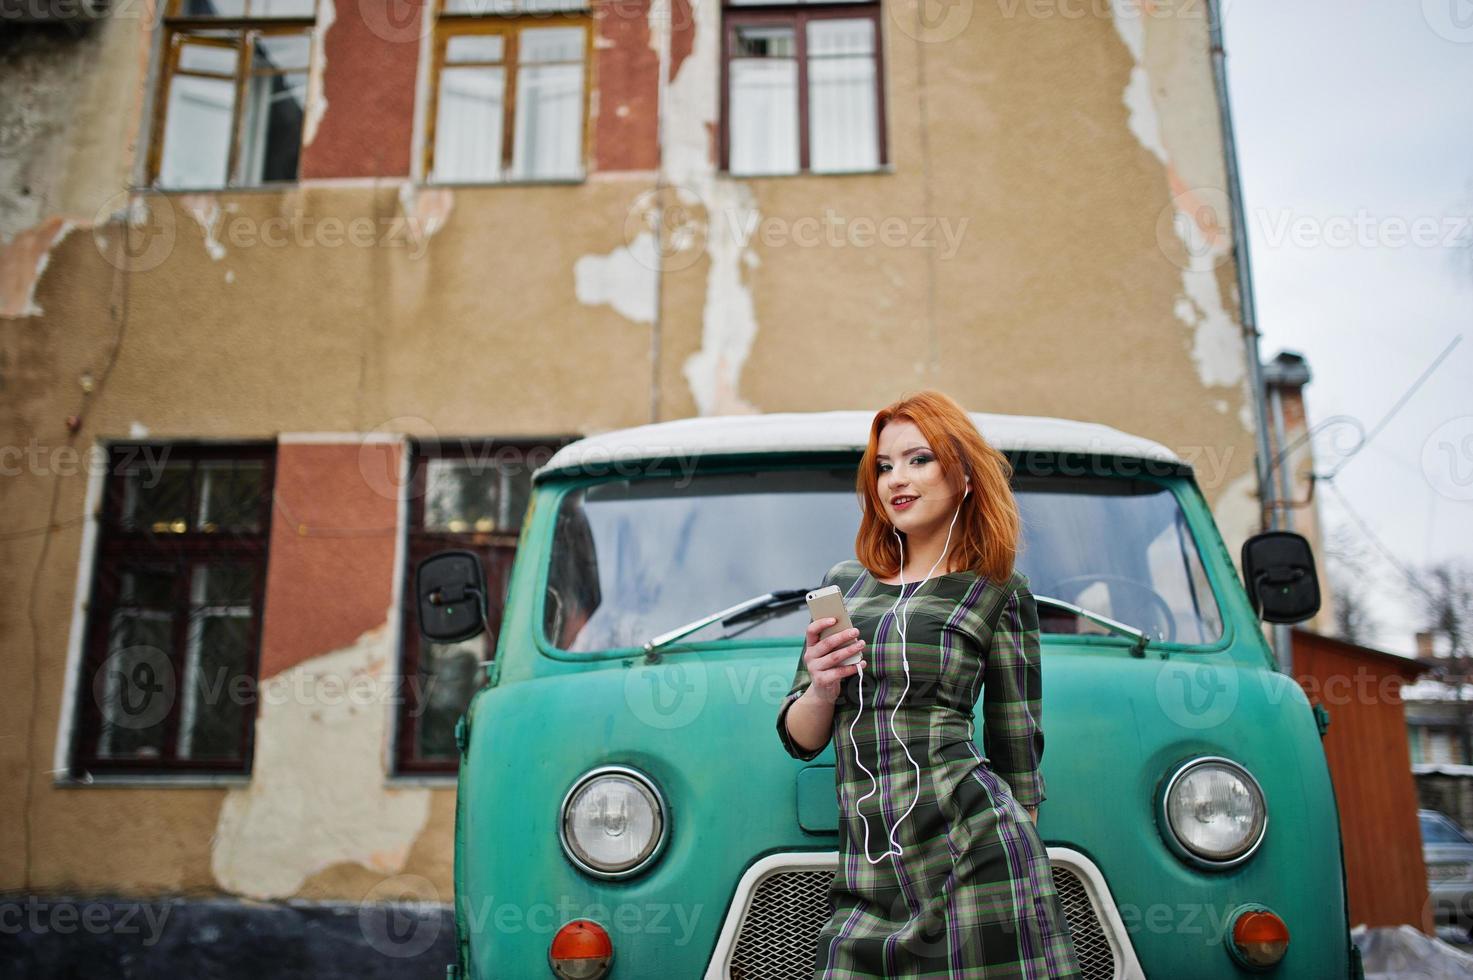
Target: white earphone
<point>901,622</point>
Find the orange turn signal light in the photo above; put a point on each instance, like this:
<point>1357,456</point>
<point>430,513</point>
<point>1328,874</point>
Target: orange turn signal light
<point>1260,937</point>
<point>581,950</point>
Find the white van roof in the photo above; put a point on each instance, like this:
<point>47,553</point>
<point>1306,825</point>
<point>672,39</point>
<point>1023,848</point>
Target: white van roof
<point>838,431</point>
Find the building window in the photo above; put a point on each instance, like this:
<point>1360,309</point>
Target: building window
<point>510,92</point>
<point>469,495</point>
<point>174,623</point>
<point>802,89</point>
<point>232,94</point>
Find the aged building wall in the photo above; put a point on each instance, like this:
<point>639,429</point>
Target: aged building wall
<point>1045,241</point>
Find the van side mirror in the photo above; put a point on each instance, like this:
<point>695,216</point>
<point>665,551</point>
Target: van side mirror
<point>1278,570</point>
<point>450,587</point>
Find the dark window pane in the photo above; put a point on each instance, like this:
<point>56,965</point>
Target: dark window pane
<point>157,499</point>
<point>134,688</point>
<point>230,495</point>
<point>217,661</point>
<point>148,586</point>
<point>462,495</point>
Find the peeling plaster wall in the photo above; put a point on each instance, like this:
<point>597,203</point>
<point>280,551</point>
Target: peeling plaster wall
<point>23,259</point>
<point>715,205</point>
<point>327,15</point>
<point>1164,96</point>
<point>319,741</point>
<point>1068,156</point>
<point>624,279</point>
<point>69,118</point>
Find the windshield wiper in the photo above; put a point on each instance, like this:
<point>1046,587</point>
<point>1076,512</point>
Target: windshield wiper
<point>1137,649</point>
<point>744,610</point>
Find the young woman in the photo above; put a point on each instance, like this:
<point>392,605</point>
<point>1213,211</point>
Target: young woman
<point>941,872</point>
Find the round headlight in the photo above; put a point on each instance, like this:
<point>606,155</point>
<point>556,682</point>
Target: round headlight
<point>1214,810</point>
<point>613,822</point>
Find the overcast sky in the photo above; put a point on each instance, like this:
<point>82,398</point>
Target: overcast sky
<point>1355,140</point>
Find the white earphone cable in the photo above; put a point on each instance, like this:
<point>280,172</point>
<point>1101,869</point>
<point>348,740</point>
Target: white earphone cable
<point>901,622</point>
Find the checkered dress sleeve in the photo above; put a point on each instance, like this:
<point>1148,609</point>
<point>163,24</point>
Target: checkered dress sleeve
<point>1012,698</point>
<point>801,680</point>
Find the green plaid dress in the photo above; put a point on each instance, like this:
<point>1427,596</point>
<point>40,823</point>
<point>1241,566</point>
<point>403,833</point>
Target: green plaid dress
<point>971,896</point>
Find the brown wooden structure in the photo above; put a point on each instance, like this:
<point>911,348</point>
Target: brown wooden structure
<point>1370,765</point>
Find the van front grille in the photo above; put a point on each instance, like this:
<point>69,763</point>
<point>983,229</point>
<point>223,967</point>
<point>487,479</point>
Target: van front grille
<point>1091,947</point>
<point>778,936</point>
<point>789,907</point>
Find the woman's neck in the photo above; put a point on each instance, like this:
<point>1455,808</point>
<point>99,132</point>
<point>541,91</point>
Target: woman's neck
<point>916,570</point>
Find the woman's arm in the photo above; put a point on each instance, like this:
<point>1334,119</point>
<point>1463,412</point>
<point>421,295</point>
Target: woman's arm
<point>804,719</point>
<point>1012,699</point>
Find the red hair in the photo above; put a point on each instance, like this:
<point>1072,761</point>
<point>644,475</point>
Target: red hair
<point>989,523</point>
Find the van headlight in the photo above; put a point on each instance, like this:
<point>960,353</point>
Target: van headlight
<point>613,822</point>
<point>1212,812</point>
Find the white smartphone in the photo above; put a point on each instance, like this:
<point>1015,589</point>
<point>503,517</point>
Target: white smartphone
<point>829,602</point>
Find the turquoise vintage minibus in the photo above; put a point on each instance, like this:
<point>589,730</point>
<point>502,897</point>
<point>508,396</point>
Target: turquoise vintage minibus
<point>625,809</point>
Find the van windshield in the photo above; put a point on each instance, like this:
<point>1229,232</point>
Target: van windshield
<point>634,558</point>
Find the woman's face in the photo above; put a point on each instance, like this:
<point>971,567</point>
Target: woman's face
<point>906,467</point>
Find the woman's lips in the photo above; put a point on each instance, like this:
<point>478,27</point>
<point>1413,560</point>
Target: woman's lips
<point>905,503</point>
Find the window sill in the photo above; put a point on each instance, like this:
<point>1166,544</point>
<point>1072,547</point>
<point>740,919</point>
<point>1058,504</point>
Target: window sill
<point>285,185</point>
<point>886,171</point>
<point>525,182</point>
<point>273,188</point>
<point>423,780</point>
<point>152,781</point>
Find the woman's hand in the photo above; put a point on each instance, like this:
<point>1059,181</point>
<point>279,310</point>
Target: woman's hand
<point>1032,814</point>
<point>824,659</point>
